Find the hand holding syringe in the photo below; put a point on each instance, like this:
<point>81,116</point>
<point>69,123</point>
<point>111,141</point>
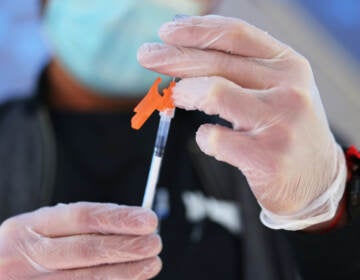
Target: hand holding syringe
<point>164,104</point>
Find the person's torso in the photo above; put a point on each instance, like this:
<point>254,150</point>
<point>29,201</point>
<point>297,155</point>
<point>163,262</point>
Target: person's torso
<point>100,158</point>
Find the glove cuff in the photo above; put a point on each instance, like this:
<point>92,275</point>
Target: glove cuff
<point>320,210</point>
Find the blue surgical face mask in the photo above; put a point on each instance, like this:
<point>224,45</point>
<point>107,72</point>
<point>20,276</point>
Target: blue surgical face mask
<point>97,40</point>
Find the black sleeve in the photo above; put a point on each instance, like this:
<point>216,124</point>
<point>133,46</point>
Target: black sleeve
<point>332,255</point>
<point>22,158</point>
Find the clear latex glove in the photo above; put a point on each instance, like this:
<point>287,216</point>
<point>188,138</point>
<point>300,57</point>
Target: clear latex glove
<point>280,138</point>
<point>80,241</point>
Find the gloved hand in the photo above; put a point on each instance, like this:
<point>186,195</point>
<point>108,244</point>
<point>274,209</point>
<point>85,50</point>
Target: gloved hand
<point>80,241</point>
<point>280,138</point>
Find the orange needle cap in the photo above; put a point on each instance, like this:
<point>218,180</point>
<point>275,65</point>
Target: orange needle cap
<point>152,101</point>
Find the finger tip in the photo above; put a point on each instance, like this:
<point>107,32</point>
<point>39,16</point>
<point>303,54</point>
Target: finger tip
<point>152,54</point>
<point>156,241</point>
<point>202,136</point>
<point>189,93</point>
<point>179,98</point>
<point>153,221</point>
<point>149,222</point>
<point>176,95</point>
<point>163,30</point>
<point>167,28</point>
<point>157,265</point>
<point>167,31</point>
<point>152,267</point>
<point>143,52</point>
<point>140,221</point>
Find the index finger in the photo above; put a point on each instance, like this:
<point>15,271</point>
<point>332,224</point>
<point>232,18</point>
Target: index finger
<point>88,218</point>
<point>224,34</point>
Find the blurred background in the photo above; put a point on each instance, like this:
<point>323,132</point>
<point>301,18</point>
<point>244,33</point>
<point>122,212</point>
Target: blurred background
<point>22,51</point>
<point>325,31</point>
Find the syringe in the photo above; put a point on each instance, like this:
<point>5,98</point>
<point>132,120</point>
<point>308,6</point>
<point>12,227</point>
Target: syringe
<point>160,143</point>
<point>164,104</point>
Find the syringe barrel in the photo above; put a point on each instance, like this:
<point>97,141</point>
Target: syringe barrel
<point>162,133</point>
<point>160,143</point>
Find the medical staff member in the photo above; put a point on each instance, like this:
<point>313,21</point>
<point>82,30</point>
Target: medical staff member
<point>69,143</point>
